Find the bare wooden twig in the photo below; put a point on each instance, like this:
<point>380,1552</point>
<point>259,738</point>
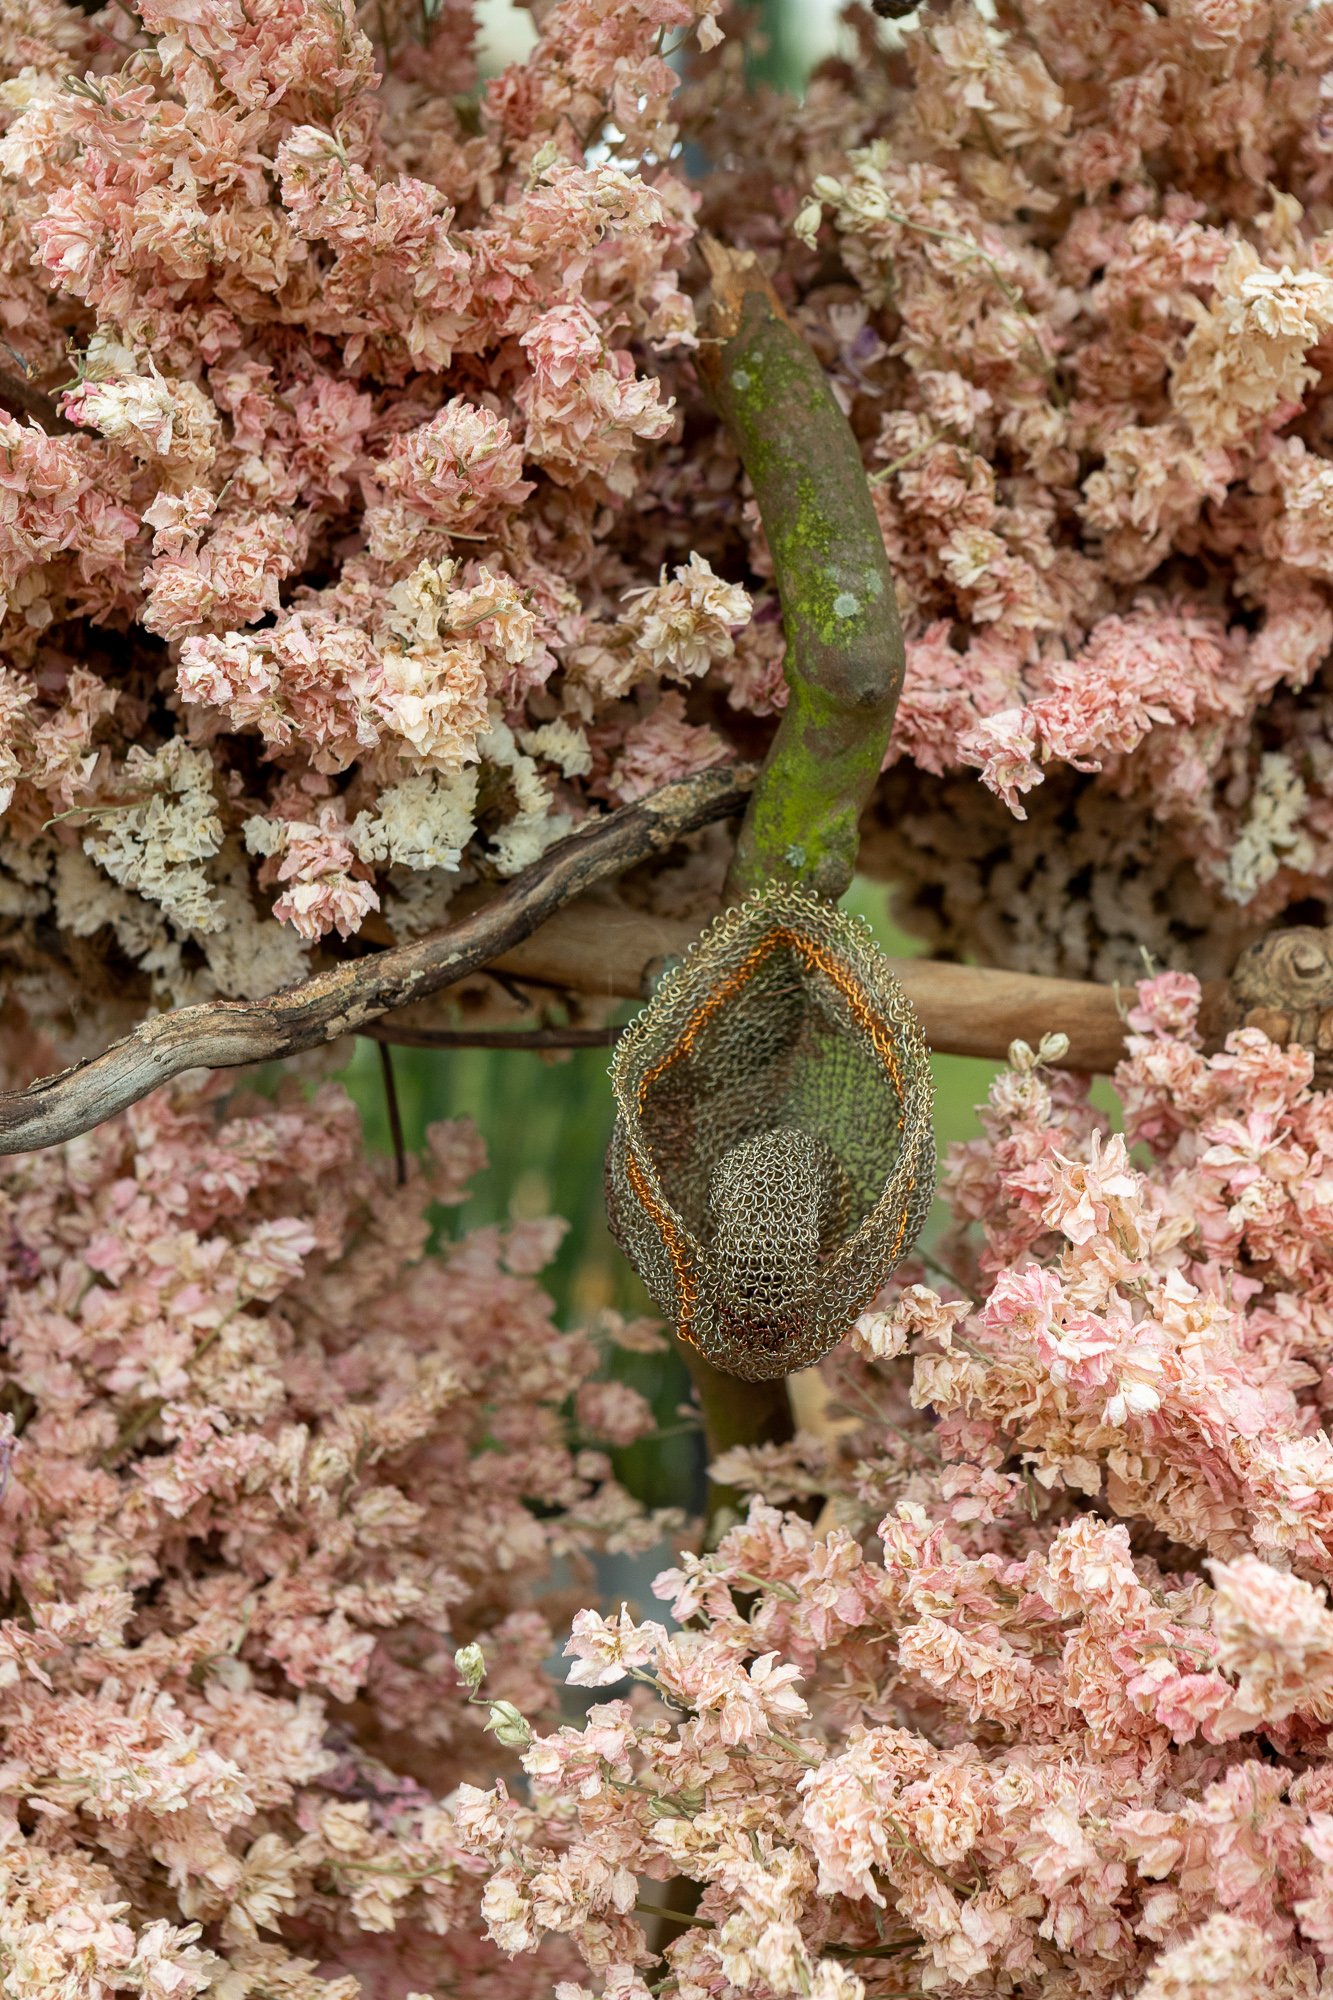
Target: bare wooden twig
<point>390,1035</point>
<point>222,1034</point>
<point>22,399</point>
<point>395,1115</point>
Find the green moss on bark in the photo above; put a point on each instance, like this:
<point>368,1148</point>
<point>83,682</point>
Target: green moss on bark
<point>844,662</point>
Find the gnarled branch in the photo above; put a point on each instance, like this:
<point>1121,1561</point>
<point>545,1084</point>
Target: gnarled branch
<point>222,1034</point>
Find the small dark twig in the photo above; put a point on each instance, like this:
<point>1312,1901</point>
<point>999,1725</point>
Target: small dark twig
<point>512,987</point>
<point>18,398</point>
<point>395,1115</point>
<point>386,1032</point>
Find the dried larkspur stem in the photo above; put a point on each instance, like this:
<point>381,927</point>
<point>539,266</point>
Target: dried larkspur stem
<point>773,1156</point>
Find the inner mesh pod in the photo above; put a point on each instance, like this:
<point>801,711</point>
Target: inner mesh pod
<point>773,1156</point>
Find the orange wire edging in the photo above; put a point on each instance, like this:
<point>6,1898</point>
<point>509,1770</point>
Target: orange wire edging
<point>877,1029</point>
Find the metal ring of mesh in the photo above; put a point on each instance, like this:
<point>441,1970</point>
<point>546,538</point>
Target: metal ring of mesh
<point>773,1156</point>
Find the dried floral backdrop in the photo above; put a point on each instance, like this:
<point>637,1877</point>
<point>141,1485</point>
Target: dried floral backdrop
<point>364,528</point>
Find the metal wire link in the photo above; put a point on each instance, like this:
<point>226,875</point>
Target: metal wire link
<point>773,1156</point>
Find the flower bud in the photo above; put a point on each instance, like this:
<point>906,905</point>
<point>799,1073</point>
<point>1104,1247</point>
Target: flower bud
<point>507,1725</point>
<point>806,226</point>
<point>676,1805</point>
<point>545,156</point>
<point>470,1666</point>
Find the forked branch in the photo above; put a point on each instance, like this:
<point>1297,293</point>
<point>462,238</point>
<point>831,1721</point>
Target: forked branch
<point>223,1034</point>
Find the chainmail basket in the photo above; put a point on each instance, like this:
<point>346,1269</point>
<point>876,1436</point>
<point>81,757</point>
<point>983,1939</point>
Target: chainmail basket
<point>773,1156</point>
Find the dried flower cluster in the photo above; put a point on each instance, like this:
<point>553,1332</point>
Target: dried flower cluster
<point>1072,272</point>
<point>395,531</point>
<point>266,1467</point>
<point>378,532</point>
<point>1045,1710</point>
<point>320,592</point>
<point>1040,1707</point>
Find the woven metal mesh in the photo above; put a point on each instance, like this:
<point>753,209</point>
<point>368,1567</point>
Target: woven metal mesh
<point>773,1156</point>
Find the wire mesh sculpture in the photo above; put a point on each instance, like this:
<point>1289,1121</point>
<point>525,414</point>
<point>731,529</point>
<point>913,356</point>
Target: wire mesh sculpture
<point>773,1156</point>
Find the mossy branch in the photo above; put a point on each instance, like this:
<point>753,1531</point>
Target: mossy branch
<point>844,669</point>
<point>844,666</point>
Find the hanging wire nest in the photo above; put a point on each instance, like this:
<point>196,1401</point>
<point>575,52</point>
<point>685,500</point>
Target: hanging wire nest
<point>773,1156</point>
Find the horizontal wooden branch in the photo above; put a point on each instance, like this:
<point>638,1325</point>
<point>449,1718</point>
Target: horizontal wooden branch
<point>601,949</point>
<point>977,1010</point>
<point>540,932</point>
<point>965,1010</point>
<point>223,1034</point>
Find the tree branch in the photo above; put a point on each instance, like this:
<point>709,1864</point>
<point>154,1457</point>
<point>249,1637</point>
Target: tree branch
<point>965,1010</point>
<point>222,1034</point>
<point>844,664</point>
<point>600,948</point>
<point>20,399</point>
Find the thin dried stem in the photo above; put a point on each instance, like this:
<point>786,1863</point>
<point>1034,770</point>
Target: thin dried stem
<point>395,1115</point>
<point>387,1034</point>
